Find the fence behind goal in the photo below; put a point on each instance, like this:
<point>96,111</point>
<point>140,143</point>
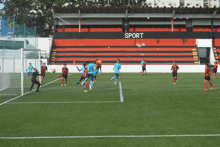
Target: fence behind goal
<point>14,78</point>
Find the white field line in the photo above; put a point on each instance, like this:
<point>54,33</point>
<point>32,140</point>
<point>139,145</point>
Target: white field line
<point>27,93</point>
<point>115,136</point>
<point>80,102</point>
<point>9,94</point>
<point>120,91</point>
<point>163,76</point>
<point>3,89</point>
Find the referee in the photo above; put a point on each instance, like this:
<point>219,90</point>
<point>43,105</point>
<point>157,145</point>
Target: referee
<point>34,81</point>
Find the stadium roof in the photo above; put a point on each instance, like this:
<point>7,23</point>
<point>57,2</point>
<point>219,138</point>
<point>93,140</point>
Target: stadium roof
<point>135,12</point>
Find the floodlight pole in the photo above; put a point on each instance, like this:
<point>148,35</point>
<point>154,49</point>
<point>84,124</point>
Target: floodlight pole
<point>22,71</point>
<point>79,21</point>
<point>172,23</point>
<point>39,66</point>
<point>3,54</point>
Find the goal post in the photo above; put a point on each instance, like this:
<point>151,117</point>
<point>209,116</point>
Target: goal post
<point>14,76</point>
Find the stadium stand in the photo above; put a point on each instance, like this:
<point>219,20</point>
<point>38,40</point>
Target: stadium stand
<point>216,44</point>
<point>87,33</point>
<point>130,51</point>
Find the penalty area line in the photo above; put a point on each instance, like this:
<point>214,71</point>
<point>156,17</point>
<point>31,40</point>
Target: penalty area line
<point>114,136</point>
<point>80,102</point>
<point>120,91</point>
<point>27,93</point>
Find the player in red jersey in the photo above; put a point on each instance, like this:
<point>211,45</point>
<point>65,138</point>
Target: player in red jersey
<point>43,71</point>
<point>97,62</point>
<point>100,65</point>
<point>64,74</point>
<point>215,67</point>
<point>207,77</point>
<point>84,75</point>
<point>174,68</point>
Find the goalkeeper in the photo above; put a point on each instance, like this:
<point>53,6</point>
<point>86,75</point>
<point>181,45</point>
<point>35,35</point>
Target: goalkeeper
<point>33,79</point>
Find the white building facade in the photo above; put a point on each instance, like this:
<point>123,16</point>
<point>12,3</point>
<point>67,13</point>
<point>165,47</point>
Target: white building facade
<point>183,3</point>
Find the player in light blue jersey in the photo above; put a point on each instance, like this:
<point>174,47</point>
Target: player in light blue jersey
<point>143,64</point>
<point>82,69</point>
<point>116,69</point>
<point>91,68</point>
<point>30,70</point>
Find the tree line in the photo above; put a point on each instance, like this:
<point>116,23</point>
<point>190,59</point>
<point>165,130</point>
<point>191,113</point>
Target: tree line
<point>40,12</point>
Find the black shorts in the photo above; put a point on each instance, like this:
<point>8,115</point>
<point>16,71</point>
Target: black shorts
<point>143,68</point>
<point>82,78</point>
<point>43,76</point>
<point>90,76</point>
<point>208,78</point>
<point>98,67</point>
<point>117,75</point>
<point>64,76</point>
<point>215,70</point>
<point>94,77</point>
<point>174,74</point>
<point>35,82</point>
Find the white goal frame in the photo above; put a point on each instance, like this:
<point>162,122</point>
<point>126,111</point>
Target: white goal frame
<point>21,59</point>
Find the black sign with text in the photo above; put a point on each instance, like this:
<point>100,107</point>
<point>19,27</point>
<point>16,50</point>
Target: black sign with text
<point>134,35</point>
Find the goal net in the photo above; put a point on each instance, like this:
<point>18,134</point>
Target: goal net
<point>15,76</point>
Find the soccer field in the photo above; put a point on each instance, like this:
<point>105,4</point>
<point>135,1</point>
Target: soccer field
<point>138,111</point>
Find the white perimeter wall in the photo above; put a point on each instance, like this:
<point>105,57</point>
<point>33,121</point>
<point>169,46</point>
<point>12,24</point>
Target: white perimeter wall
<point>10,67</point>
<point>135,68</point>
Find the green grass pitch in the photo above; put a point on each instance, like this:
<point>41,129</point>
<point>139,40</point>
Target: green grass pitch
<point>152,105</point>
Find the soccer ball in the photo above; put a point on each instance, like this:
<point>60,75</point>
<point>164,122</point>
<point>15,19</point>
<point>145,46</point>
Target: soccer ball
<point>53,70</point>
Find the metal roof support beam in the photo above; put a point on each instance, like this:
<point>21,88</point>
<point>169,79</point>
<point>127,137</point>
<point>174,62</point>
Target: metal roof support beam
<point>214,13</point>
<point>126,13</point>
<point>133,15</point>
<point>63,20</point>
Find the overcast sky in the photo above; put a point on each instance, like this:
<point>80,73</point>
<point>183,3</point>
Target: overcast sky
<point>1,6</point>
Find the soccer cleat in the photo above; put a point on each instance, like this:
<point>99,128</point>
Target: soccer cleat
<point>85,91</point>
<point>174,83</point>
<point>37,91</point>
<point>90,87</point>
<point>61,85</point>
<point>205,89</point>
<point>212,88</point>
<point>115,83</point>
<point>111,78</point>
<point>65,84</point>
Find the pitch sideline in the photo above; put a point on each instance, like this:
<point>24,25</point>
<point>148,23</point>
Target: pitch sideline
<point>114,136</point>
